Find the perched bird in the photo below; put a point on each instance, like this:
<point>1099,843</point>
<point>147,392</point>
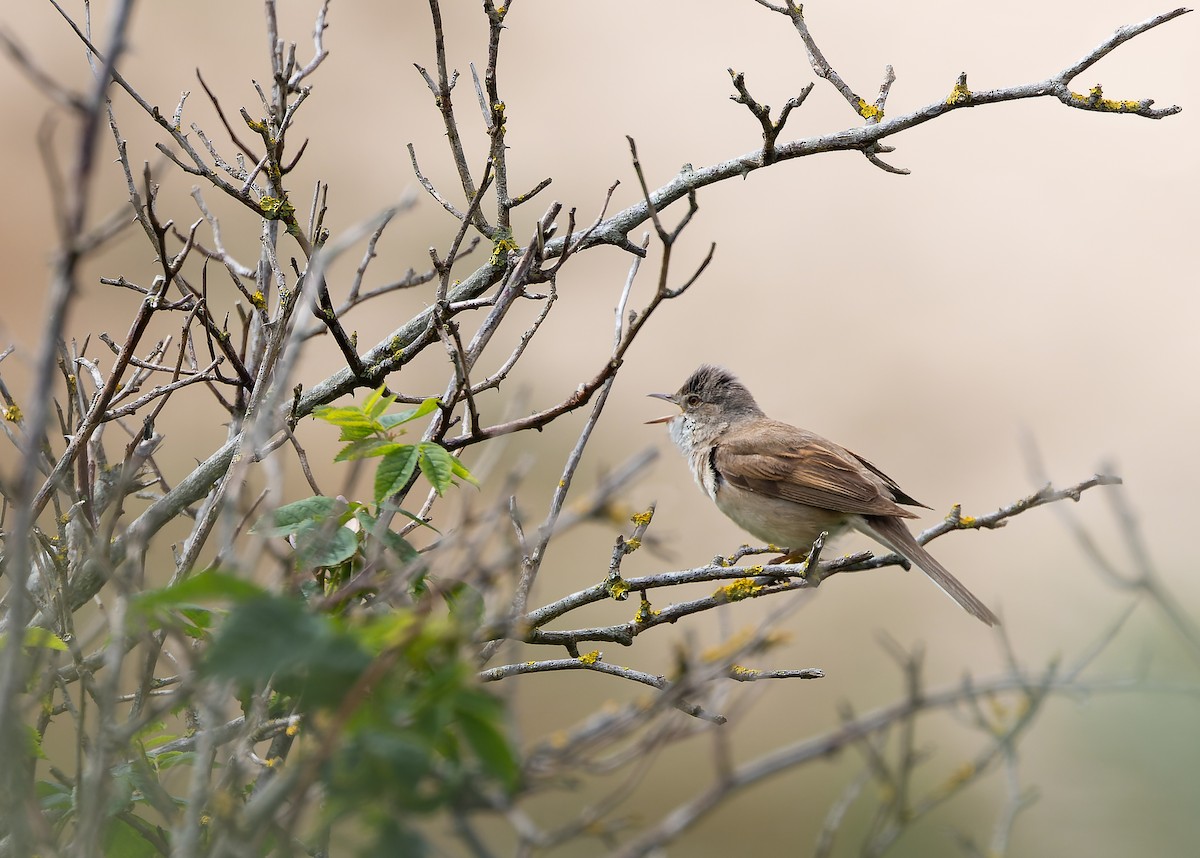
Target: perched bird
<point>786,485</point>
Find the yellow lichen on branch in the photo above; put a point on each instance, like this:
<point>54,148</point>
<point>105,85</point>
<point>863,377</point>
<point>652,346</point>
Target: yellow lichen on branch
<point>618,588</point>
<point>869,111</point>
<point>735,591</point>
<point>960,94</point>
<point>645,613</point>
<point>1095,100</point>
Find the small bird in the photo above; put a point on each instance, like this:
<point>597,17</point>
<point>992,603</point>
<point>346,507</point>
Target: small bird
<point>786,485</point>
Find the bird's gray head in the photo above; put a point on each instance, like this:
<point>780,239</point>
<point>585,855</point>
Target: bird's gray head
<point>710,400</point>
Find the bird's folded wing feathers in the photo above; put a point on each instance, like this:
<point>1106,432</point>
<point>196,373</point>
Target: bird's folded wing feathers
<point>898,494</point>
<point>798,466</point>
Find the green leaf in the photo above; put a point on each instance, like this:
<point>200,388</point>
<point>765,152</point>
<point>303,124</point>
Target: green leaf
<point>385,630</point>
<point>480,721</point>
<point>376,403</point>
<point>394,471</point>
<point>145,780</point>
<point>365,448</point>
<point>120,795</point>
<point>276,638</point>
<point>395,543</point>
<point>206,587</point>
<point>437,466</point>
<point>261,637</point>
<point>152,735</point>
<point>122,840</point>
<point>323,544</point>
<point>197,622</point>
<point>414,517</point>
<point>393,836</point>
<point>169,759</point>
<point>292,517</point>
<point>460,471</point>
<point>465,604</point>
<point>36,636</point>
<point>388,421</point>
<point>33,743</point>
<point>52,795</point>
<point>352,420</point>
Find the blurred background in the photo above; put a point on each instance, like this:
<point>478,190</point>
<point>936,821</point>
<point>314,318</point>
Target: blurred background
<point>1027,286</point>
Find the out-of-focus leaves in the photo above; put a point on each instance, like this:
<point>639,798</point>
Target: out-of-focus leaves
<point>392,838</point>
<point>205,588</point>
<point>395,543</point>
<point>276,637</point>
<point>36,636</point>
<point>466,604</point>
<point>325,544</point>
<point>122,840</point>
<point>481,719</point>
<point>52,795</point>
<point>291,517</point>
<point>33,743</point>
<point>144,778</point>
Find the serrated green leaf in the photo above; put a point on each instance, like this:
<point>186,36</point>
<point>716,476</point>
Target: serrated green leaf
<point>366,447</point>
<point>376,403</point>
<point>289,518</point>
<point>33,741</point>
<point>36,636</point>
<point>394,471</point>
<point>325,545</point>
<point>388,421</point>
<point>351,419</point>
<point>437,466</point>
<point>460,471</point>
<point>341,415</point>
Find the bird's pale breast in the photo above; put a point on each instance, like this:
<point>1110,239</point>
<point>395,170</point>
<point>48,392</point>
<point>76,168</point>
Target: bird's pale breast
<point>779,522</point>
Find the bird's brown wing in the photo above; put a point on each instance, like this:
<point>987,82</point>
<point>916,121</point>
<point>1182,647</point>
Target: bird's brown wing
<point>784,462</point>
<point>899,495</point>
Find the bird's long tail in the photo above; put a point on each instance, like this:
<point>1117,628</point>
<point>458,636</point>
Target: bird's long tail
<point>893,533</point>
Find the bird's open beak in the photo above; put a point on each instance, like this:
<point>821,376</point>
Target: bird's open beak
<point>669,398</point>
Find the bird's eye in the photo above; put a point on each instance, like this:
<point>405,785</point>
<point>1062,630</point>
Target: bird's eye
<point>692,400</point>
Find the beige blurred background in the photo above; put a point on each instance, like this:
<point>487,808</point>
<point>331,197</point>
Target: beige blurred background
<point>1033,277</point>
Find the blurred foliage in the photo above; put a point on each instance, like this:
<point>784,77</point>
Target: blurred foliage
<point>399,726</point>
